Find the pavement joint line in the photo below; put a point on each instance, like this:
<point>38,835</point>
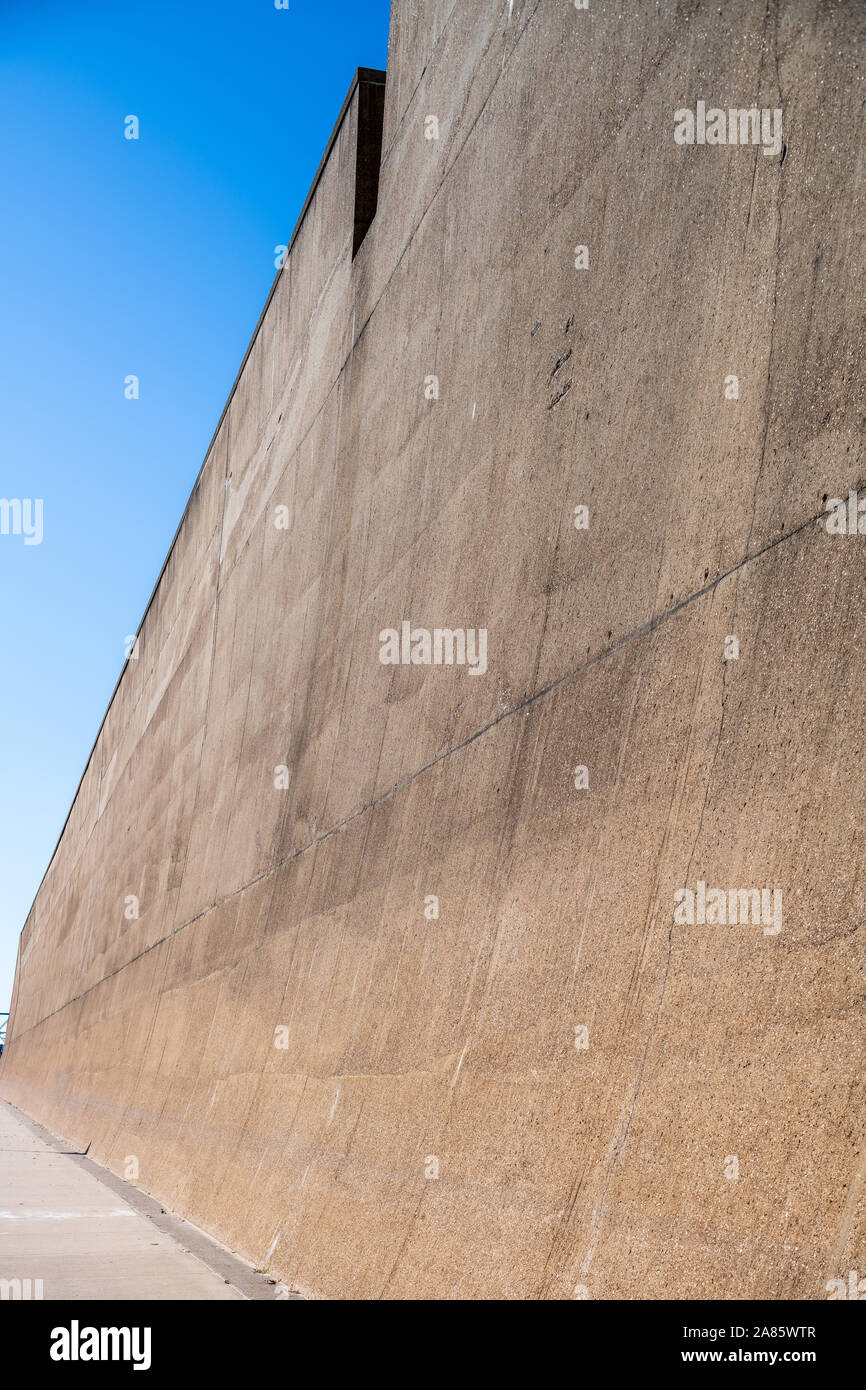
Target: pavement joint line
<point>218,1258</point>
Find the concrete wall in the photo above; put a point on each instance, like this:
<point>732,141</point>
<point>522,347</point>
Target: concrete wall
<point>604,1168</point>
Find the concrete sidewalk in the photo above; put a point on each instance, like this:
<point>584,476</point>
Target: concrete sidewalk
<point>88,1235</point>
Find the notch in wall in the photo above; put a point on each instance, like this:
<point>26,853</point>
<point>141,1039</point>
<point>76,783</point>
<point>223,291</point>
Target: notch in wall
<point>371,111</point>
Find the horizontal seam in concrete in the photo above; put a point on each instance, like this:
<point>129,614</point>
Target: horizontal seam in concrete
<point>643,630</point>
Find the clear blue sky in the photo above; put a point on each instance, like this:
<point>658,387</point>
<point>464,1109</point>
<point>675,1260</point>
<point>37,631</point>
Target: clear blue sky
<point>149,257</point>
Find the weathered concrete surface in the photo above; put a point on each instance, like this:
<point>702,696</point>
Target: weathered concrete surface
<point>407,1039</point>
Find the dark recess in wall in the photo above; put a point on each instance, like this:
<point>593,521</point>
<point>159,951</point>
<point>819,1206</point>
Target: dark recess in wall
<point>371,110</point>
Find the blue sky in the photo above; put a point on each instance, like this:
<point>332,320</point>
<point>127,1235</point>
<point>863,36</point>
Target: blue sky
<point>150,257</point>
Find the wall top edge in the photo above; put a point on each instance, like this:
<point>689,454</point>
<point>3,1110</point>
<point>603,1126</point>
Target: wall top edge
<point>374,77</point>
